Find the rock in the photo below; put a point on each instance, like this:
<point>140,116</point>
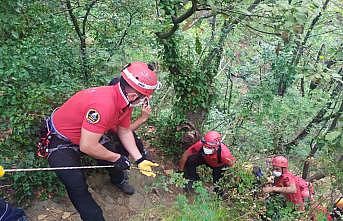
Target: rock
<point>109,200</point>
<point>42,216</point>
<point>136,201</point>
<point>168,172</point>
<point>66,215</point>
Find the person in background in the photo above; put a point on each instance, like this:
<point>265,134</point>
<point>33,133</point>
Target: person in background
<point>9,213</point>
<point>209,151</point>
<point>285,182</point>
<point>335,215</point>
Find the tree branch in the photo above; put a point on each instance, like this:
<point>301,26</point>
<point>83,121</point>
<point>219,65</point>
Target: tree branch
<point>227,27</point>
<point>188,13</point>
<point>264,32</point>
<point>316,176</point>
<point>84,22</point>
<point>213,26</point>
<point>177,21</point>
<point>303,43</point>
<point>226,12</point>
<point>326,32</point>
<point>165,35</point>
<point>65,10</point>
<point>314,22</point>
<point>73,19</point>
<point>319,53</point>
<point>121,40</point>
<point>336,117</point>
<point>319,116</point>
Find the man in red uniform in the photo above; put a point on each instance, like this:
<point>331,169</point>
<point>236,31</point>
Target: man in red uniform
<point>285,182</point>
<point>320,211</point>
<point>209,151</point>
<point>140,120</point>
<point>111,141</point>
<point>80,123</point>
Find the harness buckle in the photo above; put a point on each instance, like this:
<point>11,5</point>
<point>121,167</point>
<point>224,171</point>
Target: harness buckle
<point>42,145</point>
<point>44,141</point>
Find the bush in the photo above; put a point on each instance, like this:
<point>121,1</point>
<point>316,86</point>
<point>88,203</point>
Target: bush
<point>205,207</point>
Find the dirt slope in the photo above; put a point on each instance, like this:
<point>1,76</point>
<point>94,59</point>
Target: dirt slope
<point>115,204</point>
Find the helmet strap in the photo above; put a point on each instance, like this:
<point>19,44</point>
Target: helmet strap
<point>126,66</point>
<point>123,84</point>
<point>219,154</point>
<point>203,140</point>
<point>132,102</point>
<point>282,170</point>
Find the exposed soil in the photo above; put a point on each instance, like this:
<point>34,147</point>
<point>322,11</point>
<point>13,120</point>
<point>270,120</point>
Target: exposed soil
<point>115,204</point>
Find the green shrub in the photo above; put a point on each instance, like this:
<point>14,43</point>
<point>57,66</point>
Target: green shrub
<point>205,207</point>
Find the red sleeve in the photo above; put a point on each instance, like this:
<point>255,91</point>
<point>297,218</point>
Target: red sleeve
<point>195,148</point>
<point>95,119</point>
<point>287,180</point>
<point>227,157</point>
<point>125,119</point>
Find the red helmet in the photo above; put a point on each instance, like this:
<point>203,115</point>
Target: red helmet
<point>280,161</point>
<point>140,77</point>
<point>212,139</point>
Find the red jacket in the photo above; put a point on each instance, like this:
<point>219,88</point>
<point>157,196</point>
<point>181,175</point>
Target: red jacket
<point>212,159</point>
<point>97,110</point>
<point>286,180</point>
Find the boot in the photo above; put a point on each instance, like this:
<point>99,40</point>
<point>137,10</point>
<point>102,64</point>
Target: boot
<point>189,186</point>
<point>219,191</point>
<point>125,187</point>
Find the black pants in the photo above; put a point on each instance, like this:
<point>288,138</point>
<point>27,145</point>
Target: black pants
<point>75,180</point>
<point>196,160</point>
<point>115,141</point>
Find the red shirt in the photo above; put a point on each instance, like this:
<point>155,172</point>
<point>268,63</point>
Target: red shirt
<point>211,159</point>
<point>286,180</point>
<point>97,110</point>
<point>320,210</point>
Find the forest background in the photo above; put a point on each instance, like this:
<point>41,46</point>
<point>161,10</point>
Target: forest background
<point>267,74</point>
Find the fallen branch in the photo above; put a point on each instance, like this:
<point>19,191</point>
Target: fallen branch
<point>317,176</point>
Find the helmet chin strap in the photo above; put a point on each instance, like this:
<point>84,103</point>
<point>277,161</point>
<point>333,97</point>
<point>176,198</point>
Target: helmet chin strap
<point>131,103</point>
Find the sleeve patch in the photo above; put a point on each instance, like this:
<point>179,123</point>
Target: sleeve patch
<point>92,116</point>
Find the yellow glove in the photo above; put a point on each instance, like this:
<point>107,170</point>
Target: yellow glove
<point>2,171</point>
<point>248,167</point>
<point>145,167</point>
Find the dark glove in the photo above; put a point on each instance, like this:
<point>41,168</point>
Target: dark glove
<point>122,163</point>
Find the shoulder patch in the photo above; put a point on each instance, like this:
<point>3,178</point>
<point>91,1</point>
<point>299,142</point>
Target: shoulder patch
<point>92,116</point>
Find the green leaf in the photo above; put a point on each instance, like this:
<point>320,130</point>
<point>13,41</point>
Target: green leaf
<point>15,34</point>
<point>332,135</point>
<point>198,46</point>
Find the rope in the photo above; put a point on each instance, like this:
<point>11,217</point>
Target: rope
<point>54,168</point>
<point>69,168</point>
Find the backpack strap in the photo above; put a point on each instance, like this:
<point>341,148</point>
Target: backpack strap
<point>219,154</point>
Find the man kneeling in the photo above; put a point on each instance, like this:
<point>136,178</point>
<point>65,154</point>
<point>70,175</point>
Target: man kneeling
<point>209,151</point>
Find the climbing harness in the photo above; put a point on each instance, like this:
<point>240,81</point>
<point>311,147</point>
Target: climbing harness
<point>48,132</point>
<point>44,141</point>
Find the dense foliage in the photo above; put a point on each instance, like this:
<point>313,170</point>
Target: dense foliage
<point>266,74</point>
